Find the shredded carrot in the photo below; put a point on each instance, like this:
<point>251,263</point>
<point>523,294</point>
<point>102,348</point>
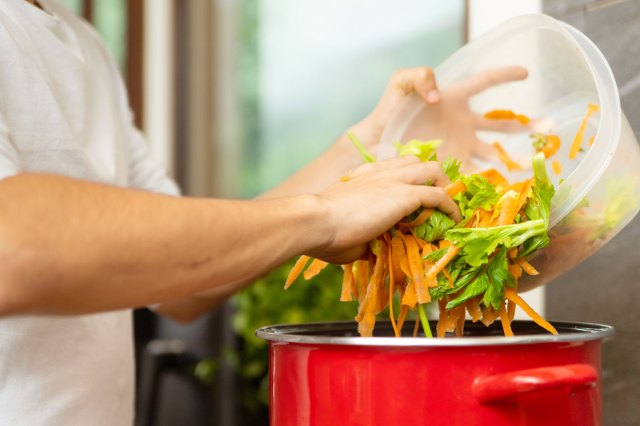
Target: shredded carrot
<point>577,140</point>
<point>556,166</point>
<point>504,319</point>
<point>509,210</point>
<point>592,139</point>
<point>495,177</point>
<point>398,253</point>
<point>511,295</point>
<point>296,270</point>
<point>431,275</point>
<point>506,114</point>
<point>455,188</point>
<point>505,158</point>
<point>526,266</point>
<point>473,307</point>
<point>415,266</point>
<point>314,268</point>
<point>391,290</point>
<point>551,146</point>
<point>422,218</point>
<point>489,315</point>
<point>347,283</point>
<point>402,316</point>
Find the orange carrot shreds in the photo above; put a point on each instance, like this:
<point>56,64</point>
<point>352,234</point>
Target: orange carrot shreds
<point>348,282</point>
<point>556,166</point>
<point>391,290</point>
<point>424,215</point>
<point>515,270</point>
<point>314,268</point>
<point>444,244</point>
<point>511,295</point>
<point>513,252</point>
<point>345,178</point>
<point>473,307</point>
<point>402,317</point>
<point>441,263</point>
<point>489,315</point>
<point>577,140</point>
<point>506,114</point>
<point>592,139</point>
<point>527,267</point>
<point>551,146</point>
<point>485,219</point>
<point>495,178</point>
<point>505,158</point>
<point>509,208</point>
<point>415,266</point>
<point>460,320</point>
<point>416,327</point>
<point>398,253</point>
<point>504,319</point>
<point>511,306</point>
<point>455,188</point>
<point>441,327</point>
<point>525,192</point>
<point>409,298</point>
<point>367,312</point>
<point>296,270</point>
<point>362,278</point>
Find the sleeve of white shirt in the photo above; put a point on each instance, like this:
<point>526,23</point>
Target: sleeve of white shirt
<point>9,158</point>
<point>145,172</point>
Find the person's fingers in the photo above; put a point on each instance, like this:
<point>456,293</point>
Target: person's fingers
<point>385,165</point>
<point>421,173</point>
<point>436,197</point>
<point>420,80</point>
<point>492,77</point>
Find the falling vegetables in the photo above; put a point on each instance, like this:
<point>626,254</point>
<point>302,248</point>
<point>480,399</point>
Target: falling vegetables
<point>472,266</point>
<point>506,114</point>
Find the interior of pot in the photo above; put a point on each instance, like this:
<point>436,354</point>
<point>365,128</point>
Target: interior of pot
<point>345,333</point>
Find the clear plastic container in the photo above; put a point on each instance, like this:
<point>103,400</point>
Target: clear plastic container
<point>597,193</point>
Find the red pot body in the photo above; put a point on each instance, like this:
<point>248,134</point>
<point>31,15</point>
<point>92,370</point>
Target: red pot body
<point>524,383</point>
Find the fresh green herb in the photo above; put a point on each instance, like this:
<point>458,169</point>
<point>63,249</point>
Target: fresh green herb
<point>366,155</point>
<point>435,227</point>
<point>451,168</point>
<point>424,150</point>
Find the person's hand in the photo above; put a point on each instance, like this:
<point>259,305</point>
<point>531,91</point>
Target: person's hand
<point>446,114</point>
<point>377,196</point>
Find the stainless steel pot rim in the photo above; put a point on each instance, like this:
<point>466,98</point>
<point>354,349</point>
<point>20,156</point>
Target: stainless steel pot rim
<point>321,334</point>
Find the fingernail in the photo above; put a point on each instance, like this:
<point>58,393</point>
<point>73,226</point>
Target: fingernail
<point>433,96</point>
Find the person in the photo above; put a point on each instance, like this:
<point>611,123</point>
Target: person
<point>91,226</point>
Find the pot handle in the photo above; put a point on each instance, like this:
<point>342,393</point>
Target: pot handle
<point>498,387</point>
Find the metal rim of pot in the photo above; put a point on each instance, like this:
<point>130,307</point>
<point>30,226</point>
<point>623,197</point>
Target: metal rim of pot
<point>344,333</point>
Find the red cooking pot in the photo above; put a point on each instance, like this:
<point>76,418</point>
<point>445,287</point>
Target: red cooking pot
<point>324,374</point>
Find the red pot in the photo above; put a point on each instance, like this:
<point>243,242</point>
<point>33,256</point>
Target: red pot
<point>324,374</point>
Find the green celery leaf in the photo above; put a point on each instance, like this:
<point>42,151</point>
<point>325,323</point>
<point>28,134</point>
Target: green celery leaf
<point>424,150</point>
<point>478,243</point>
<point>366,155</point>
<point>451,168</point>
<point>435,255</point>
<point>435,227</point>
<point>475,288</point>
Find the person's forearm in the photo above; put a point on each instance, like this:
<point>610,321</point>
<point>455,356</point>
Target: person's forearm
<point>69,247</point>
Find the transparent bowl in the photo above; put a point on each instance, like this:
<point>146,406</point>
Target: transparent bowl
<point>597,194</point>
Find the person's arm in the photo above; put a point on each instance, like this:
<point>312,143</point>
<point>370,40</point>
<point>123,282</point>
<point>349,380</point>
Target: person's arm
<point>73,247</point>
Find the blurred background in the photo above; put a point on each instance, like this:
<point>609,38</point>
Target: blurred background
<point>235,95</point>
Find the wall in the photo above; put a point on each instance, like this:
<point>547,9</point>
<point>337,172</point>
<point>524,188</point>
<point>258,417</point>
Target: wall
<point>605,288</point>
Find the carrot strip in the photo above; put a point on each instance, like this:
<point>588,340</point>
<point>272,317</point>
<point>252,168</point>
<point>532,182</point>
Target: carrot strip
<point>577,140</point>
<point>398,252</point>
<point>506,114</point>
<point>511,295</point>
<point>459,324</point>
<point>409,297</point>
<point>401,318</point>
<point>592,139</point>
<point>473,307</point>
<point>296,270</point>
<point>416,327</point>
<point>314,268</point>
<point>556,166</point>
<point>422,218</point>
<point>441,329</point>
<point>551,146</point>
<point>441,263</point>
<point>415,266</point>
<point>489,315</point>
<point>455,188</point>
<point>391,290</point>
<point>504,319</point>
<point>362,278</point>
<point>526,266</point>
<point>508,211</point>
<point>515,270</point>
<point>495,178</point>
<point>347,283</point>
<point>511,306</point>
<point>505,158</point>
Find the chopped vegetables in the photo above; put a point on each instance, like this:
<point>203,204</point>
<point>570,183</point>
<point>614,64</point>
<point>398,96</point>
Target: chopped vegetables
<point>577,140</point>
<point>506,114</point>
<point>472,266</point>
<point>547,144</point>
<point>504,157</point>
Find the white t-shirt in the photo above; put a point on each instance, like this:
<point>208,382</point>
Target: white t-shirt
<point>64,110</point>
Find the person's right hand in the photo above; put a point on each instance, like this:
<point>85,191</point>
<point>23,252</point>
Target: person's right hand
<point>374,198</point>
